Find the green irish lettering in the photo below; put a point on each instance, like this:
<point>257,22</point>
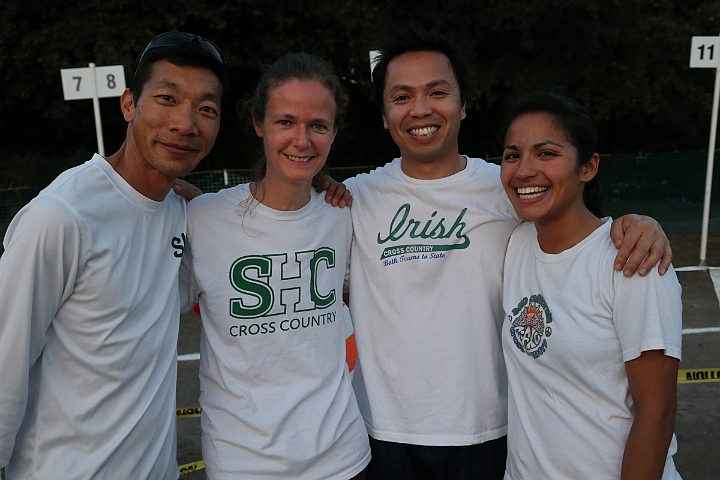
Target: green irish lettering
<point>404,210</point>
<point>459,224</point>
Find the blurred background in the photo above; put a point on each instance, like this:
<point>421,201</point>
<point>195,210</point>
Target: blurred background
<point>627,61</point>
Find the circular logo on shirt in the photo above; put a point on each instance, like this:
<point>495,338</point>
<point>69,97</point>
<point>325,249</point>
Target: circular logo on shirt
<point>529,325</point>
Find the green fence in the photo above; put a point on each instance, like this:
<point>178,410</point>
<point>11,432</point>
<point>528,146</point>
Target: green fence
<point>667,186</point>
<point>13,199</point>
<point>215,180</point>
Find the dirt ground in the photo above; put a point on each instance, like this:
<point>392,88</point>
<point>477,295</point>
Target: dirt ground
<point>698,420</point>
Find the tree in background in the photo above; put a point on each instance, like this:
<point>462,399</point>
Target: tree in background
<point>626,60</point>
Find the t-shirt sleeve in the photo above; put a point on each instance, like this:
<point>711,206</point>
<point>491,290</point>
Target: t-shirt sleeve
<point>189,290</point>
<point>43,249</point>
<point>350,183</point>
<point>647,312</point>
<point>346,279</point>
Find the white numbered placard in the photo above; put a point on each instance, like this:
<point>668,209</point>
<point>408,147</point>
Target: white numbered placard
<point>704,52</point>
<point>77,82</point>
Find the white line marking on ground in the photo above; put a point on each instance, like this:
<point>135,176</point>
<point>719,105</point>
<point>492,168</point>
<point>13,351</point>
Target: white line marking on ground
<point>687,331</point>
<point>189,356</point>
<point>702,268</point>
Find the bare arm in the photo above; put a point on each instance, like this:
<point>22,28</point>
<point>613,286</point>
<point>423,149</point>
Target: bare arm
<point>641,243</point>
<point>653,386</point>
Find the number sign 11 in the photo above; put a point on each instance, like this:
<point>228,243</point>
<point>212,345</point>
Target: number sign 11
<point>704,52</point>
<point>77,82</point>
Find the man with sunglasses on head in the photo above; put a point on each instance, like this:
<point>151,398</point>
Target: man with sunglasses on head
<point>88,286</point>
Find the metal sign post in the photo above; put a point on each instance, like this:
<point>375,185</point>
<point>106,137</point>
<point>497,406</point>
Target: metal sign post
<point>704,54</point>
<point>96,110</point>
<point>95,83</point>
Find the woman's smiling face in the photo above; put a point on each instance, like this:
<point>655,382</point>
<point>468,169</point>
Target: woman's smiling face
<point>540,169</point>
<point>297,131</point>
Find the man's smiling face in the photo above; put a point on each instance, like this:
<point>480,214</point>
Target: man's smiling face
<point>175,121</point>
<point>422,107</point>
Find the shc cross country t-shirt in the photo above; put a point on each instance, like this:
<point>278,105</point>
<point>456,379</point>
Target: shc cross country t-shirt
<point>275,389</point>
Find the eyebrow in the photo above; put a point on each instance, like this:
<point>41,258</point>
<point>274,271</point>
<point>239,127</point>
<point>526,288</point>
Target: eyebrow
<point>214,97</point>
<point>537,145</point>
<point>176,86</point>
<point>288,116</point>
<point>168,84</point>
<point>548,142</point>
<point>432,84</point>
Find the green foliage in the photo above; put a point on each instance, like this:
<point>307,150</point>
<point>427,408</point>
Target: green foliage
<point>626,60</point>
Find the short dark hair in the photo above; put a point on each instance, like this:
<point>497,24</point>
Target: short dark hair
<point>190,54</point>
<point>294,66</point>
<point>416,39</point>
<point>577,124</point>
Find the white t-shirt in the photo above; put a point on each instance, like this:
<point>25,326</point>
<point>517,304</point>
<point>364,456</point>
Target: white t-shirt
<point>275,390</point>
<point>426,304</point>
<point>88,331</point>
<point>572,322</point>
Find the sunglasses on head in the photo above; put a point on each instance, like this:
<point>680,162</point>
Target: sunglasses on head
<point>174,39</point>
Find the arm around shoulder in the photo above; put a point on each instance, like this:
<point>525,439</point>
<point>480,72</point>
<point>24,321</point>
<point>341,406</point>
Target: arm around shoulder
<point>641,244</point>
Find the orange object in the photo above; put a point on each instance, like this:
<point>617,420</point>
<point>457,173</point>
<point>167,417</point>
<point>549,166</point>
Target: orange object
<point>350,348</point>
<point>351,352</point>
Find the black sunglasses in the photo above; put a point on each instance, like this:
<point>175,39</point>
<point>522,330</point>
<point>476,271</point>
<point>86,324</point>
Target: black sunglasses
<point>174,39</point>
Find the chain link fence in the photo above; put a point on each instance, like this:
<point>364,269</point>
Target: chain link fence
<point>212,181</point>
<point>669,187</point>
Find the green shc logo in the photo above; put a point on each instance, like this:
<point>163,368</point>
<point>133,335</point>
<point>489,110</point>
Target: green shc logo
<point>403,225</point>
<point>269,284</point>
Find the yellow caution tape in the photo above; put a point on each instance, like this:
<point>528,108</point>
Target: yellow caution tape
<point>699,375</point>
<point>188,412</point>
<point>694,375</point>
<point>191,467</point>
